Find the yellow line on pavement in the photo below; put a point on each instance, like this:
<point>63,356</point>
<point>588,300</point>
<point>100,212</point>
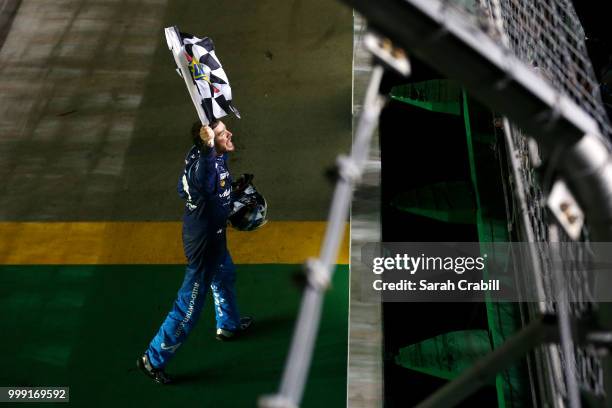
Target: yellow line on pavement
<point>110,243</point>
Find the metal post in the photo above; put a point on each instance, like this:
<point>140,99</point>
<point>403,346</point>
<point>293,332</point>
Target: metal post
<point>544,381</point>
<point>588,171</point>
<point>563,313</point>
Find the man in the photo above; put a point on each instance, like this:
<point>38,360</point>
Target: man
<point>206,186</point>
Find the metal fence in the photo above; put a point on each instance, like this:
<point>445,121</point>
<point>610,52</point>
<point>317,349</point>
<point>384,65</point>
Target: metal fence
<point>567,364</point>
<point>548,37</point>
<point>526,60</point>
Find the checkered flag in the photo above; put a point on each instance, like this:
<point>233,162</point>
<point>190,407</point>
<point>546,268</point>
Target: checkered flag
<point>204,76</point>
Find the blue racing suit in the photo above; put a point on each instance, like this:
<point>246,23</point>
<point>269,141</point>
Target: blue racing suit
<point>206,185</point>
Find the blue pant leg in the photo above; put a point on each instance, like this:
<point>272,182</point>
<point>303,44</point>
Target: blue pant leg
<point>190,298</point>
<point>223,288</point>
<point>182,318</point>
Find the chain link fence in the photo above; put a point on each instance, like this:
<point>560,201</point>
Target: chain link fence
<point>525,37</point>
<point>548,37</point>
<point>542,227</point>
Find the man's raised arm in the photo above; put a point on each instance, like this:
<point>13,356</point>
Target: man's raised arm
<point>205,174</point>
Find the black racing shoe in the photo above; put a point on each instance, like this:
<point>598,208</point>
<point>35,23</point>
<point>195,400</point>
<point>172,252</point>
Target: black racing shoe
<point>225,335</point>
<point>158,375</point>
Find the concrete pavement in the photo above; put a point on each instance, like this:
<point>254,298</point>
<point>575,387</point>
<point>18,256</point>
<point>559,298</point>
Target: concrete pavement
<point>94,120</point>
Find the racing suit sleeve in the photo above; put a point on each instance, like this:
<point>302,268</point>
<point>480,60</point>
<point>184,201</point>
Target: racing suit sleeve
<point>205,172</point>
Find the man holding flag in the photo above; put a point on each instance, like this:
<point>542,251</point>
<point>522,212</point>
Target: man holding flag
<point>206,186</point>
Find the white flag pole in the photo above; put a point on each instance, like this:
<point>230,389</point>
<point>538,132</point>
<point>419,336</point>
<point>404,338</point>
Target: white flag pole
<point>180,57</point>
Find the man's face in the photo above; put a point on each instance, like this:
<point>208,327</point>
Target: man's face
<point>223,139</point>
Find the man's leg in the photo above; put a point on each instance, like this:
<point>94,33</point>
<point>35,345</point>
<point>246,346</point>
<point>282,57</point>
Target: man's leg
<point>223,287</point>
<point>182,318</point>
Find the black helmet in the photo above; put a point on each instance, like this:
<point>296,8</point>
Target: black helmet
<point>249,208</point>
